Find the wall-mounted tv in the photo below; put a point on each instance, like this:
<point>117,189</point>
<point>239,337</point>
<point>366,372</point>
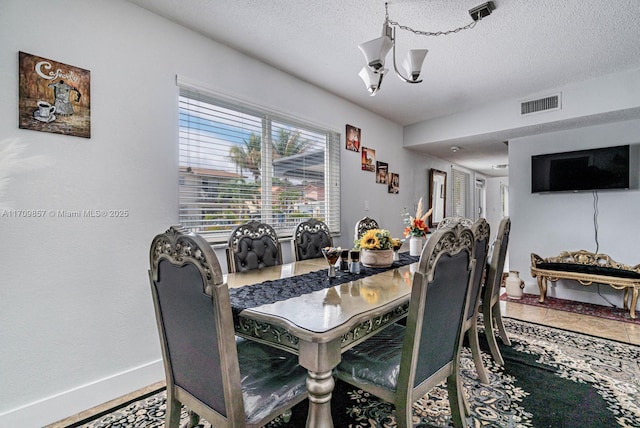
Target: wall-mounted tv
<point>594,169</point>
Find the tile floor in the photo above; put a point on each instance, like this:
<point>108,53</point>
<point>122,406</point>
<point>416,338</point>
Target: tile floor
<point>616,330</point>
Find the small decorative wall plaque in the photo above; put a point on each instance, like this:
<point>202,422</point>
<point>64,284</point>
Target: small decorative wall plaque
<point>353,138</point>
<point>368,159</point>
<point>394,183</point>
<point>382,172</point>
<point>53,96</point>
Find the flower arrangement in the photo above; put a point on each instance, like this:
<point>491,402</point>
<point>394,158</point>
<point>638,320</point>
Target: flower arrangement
<point>376,239</point>
<point>416,226</point>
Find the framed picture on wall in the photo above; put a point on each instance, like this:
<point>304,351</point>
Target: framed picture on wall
<point>53,96</point>
<point>394,183</point>
<point>353,138</point>
<point>368,159</point>
<point>382,172</point>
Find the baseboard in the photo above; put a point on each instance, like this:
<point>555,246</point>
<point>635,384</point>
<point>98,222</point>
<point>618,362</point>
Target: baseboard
<point>57,407</point>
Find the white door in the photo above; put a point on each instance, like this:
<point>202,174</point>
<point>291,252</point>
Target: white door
<point>480,199</point>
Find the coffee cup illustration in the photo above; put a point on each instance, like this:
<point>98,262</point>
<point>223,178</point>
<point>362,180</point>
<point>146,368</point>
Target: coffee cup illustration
<point>45,110</point>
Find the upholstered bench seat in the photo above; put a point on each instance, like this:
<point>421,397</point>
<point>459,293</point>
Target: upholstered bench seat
<point>591,270</point>
<point>587,268</point>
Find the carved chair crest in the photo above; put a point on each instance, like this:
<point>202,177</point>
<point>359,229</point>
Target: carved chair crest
<point>481,229</point>
<point>180,247</point>
<point>253,229</point>
<point>457,238</point>
<point>312,226</point>
<point>365,224</point>
<point>452,221</point>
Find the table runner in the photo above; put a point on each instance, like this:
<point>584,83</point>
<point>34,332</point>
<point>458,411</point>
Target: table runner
<point>276,290</point>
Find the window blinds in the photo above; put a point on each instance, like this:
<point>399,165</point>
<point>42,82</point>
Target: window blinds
<point>239,163</point>
<point>460,191</point>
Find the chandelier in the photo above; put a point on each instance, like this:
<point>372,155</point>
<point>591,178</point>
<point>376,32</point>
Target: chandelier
<point>377,49</point>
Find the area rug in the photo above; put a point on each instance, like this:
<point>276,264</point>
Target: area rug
<point>551,378</point>
<point>601,311</point>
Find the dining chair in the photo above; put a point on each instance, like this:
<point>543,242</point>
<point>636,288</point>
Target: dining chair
<point>309,238</point>
<point>402,364</point>
<point>491,313</point>
<point>481,233</point>
<point>363,225</point>
<point>229,381</point>
<point>253,245</point>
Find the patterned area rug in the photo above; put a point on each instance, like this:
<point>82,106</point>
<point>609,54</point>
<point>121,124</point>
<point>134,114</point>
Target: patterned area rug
<point>551,378</point>
<point>608,312</point>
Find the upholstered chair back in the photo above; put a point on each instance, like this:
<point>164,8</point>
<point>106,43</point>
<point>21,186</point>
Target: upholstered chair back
<point>253,245</point>
<point>363,225</point>
<point>442,281</point>
<point>310,237</point>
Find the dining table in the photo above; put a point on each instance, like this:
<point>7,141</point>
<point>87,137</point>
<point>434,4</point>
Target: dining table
<point>299,308</point>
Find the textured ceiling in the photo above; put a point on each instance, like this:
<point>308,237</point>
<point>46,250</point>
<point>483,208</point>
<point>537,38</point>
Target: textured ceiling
<point>523,47</point>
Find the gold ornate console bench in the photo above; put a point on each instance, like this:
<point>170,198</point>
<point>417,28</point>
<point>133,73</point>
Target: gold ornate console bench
<point>587,268</point>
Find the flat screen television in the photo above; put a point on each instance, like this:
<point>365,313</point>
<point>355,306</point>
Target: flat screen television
<point>593,169</point>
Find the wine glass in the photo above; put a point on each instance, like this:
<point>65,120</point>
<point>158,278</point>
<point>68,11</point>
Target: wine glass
<point>396,247</point>
<point>331,255</point>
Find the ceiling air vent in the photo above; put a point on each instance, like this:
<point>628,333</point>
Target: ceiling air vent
<point>542,104</point>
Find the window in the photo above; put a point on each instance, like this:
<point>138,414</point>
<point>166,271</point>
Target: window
<point>460,186</point>
<point>239,163</point>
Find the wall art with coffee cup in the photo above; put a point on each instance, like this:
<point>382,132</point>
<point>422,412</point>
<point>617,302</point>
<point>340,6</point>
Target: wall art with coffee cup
<point>54,97</point>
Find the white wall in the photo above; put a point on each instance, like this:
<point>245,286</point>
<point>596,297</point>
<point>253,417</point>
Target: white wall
<point>77,320</point>
<point>547,224</point>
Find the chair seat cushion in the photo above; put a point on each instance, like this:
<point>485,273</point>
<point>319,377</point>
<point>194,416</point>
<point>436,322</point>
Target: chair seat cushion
<point>269,377</point>
<point>376,360</point>
<point>589,269</point>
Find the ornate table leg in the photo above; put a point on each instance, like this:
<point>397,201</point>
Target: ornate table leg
<point>320,386</point>
<point>319,359</point>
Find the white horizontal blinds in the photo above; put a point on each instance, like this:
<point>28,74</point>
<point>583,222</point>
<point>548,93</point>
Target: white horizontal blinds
<point>239,164</point>
<point>215,180</point>
<point>332,183</point>
<point>459,193</point>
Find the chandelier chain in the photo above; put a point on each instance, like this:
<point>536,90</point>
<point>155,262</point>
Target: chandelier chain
<point>425,33</point>
<point>430,33</point>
